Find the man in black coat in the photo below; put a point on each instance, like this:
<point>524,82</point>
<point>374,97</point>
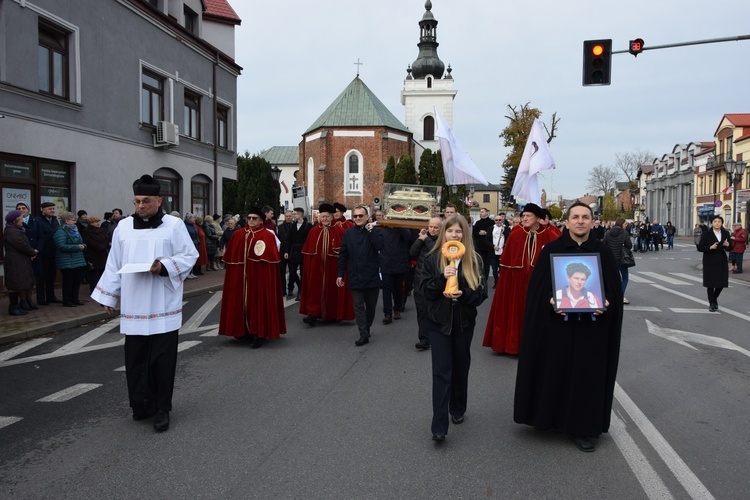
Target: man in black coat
<point>482,234</point>
<point>568,364</point>
<point>284,230</point>
<point>292,250</point>
<point>45,281</point>
<point>394,264</point>
<point>418,251</point>
<point>358,268</point>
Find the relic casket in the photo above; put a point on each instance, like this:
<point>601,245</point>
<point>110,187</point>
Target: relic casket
<point>409,202</point>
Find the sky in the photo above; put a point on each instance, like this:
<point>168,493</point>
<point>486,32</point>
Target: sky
<point>298,56</point>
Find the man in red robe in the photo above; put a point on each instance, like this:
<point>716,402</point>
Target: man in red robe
<point>252,305</point>
<point>321,298</point>
<point>339,219</point>
<point>505,323</point>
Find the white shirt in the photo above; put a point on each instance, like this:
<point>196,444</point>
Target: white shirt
<point>498,238</point>
<point>149,304</point>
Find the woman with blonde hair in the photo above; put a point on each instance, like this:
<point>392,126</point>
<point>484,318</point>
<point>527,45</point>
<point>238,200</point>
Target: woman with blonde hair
<point>451,317</point>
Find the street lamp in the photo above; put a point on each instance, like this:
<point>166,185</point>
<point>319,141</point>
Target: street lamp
<point>669,210</point>
<point>735,171</point>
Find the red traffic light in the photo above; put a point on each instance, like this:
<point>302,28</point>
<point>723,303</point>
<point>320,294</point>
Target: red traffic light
<point>636,46</point>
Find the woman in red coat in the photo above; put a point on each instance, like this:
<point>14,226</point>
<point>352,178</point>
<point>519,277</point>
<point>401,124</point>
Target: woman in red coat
<point>202,250</point>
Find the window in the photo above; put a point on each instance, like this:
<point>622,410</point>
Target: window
<point>192,115</point>
<point>170,189</point>
<point>486,198</point>
<point>429,128</point>
<point>429,82</point>
<point>53,60</point>
<point>353,175</point>
<point>222,127</point>
<point>191,20</point>
<point>152,98</point>
<point>199,199</point>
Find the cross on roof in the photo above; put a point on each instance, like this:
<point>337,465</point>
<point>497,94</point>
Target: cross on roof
<point>358,64</point>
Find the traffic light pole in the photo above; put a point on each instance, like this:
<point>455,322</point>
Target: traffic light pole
<point>683,44</point>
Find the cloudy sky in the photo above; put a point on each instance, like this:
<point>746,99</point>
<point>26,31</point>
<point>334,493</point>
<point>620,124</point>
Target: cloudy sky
<point>298,56</point>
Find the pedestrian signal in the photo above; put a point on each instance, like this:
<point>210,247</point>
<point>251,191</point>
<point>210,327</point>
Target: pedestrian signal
<point>636,46</point>
<point>597,62</point>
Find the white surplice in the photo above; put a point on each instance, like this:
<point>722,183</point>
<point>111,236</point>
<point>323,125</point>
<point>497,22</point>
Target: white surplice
<point>149,304</point>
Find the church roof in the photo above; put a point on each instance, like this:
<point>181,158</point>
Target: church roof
<point>357,106</point>
<point>281,155</point>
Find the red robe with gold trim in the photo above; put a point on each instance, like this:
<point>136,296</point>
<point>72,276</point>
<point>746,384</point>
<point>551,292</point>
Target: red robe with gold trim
<point>320,296</point>
<point>252,302</point>
<point>505,323</point>
<point>343,222</point>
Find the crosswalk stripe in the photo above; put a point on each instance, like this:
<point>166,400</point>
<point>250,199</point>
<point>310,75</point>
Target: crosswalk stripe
<point>702,301</point>
<point>212,333</point>
<point>688,277</point>
<point>89,337</point>
<point>69,393</point>
<point>642,308</point>
<point>20,349</point>
<point>6,421</point>
<point>637,279</point>
<point>690,310</point>
<point>120,369</point>
<point>200,315</point>
<point>661,277</point>
<point>182,346</point>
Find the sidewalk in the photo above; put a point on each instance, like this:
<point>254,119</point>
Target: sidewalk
<point>55,317</point>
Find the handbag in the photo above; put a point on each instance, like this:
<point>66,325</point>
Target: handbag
<point>627,257</point>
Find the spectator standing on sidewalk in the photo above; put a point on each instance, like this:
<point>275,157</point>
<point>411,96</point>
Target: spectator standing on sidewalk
<point>670,231</point>
<point>293,249</point>
<point>70,260</point>
<point>19,275</point>
<point>45,282</point>
<point>739,244</point>
<point>358,269</point>
<point>150,302</point>
<point>97,248</point>
<point>618,239</point>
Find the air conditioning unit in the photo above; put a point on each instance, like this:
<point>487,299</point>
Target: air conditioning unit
<point>167,134</point>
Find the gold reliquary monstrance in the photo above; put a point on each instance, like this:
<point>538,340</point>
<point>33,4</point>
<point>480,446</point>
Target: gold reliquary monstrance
<point>409,205</point>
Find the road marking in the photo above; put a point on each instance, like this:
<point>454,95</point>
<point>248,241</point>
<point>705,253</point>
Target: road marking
<point>206,328</point>
<point>212,333</point>
<point>679,468</point>
<point>637,279</point>
<point>120,369</point>
<point>661,277</point>
<point>682,337</point>
<point>702,301</point>
<point>690,311</point>
<point>6,421</point>
<point>650,481</point>
<point>69,393</point>
<point>690,277</point>
<point>22,348</point>
<point>87,338</point>
<point>182,346</point>
<point>196,319</point>
<point>642,308</point>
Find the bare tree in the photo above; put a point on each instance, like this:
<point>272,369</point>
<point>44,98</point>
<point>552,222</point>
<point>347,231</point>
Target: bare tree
<point>602,179</point>
<point>629,162</point>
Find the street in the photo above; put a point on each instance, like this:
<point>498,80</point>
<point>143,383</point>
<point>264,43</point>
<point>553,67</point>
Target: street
<point>313,416</point>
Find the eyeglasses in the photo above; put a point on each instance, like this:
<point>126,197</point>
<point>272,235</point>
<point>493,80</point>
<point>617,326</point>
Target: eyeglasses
<point>252,217</point>
<point>498,220</point>
<point>359,216</point>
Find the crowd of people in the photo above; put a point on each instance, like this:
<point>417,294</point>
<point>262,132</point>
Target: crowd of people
<point>338,268</point>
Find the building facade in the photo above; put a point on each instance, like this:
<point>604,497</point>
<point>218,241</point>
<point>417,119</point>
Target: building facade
<point>95,93</point>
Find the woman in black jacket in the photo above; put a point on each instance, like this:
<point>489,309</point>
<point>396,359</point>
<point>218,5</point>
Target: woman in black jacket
<point>617,239</point>
<point>714,244</point>
<point>450,320</point>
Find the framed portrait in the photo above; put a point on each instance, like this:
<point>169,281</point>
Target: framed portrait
<point>577,282</point>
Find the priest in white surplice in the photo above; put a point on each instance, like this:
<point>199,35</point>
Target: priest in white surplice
<point>150,257</point>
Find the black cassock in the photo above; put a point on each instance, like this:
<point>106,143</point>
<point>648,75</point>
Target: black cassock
<point>567,369</point>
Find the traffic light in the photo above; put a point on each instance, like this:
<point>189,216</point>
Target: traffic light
<point>636,46</point>
<point>597,62</point>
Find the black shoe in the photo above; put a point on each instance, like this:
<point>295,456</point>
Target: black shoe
<point>256,342</point>
<point>65,304</point>
<point>457,419</point>
<point>24,306</point>
<point>362,341</point>
<point>54,300</point>
<point>31,305</point>
<point>161,421</point>
<point>142,414</point>
<point>584,444</point>
<point>712,307</point>
<point>439,437</point>
<point>296,299</point>
<point>42,302</point>
<point>78,303</point>
<point>310,320</point>
<point>17,311</point>
<point>422,345</point>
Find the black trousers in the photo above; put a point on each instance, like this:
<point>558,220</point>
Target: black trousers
<point>494,261</point>
<point>487,256</point>
<point>150,365</point>
<point>365,301</point>
<point>422,320</point>
<point>393,293</point>
<point>451,359</point>
<point>45,282</point>
<point>71,284</point>
<point>713,295</point>
<point>295,277</point>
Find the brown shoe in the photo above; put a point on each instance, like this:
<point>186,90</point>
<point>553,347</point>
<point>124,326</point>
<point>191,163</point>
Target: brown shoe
<point>387,320</point>
<point>396,315</point>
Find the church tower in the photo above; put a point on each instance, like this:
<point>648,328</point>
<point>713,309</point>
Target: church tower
<point>427,86</point>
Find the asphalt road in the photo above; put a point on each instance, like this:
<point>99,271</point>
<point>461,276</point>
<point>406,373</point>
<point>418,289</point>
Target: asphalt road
<point>313,416</point>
